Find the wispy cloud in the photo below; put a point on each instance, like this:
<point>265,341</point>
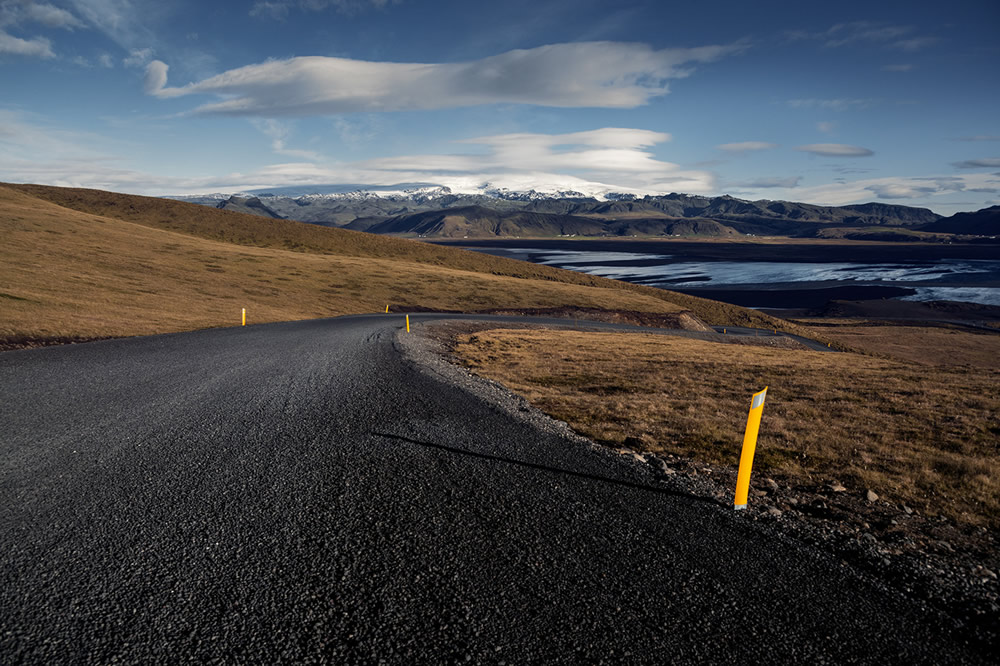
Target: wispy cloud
<point>746,146</point>
<point>123,21</point>
<point>835,150</point>
<point>979,137</point>
<point>18,13</point>
<point>586,74</point>
<point>48,15</point>
<point>138,57</point>
<point>838,104</point>
<point>870,33</point>
<point>985,163</point>
<point>279,9</point>
<point>826,126</point>
<point>767,183</point>
<point>279,133</point>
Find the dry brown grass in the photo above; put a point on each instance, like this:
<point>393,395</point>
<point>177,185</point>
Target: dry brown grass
<point>67,274</point>
<point>925,436</point>
<point>250,231</point>
<point>925,345</point>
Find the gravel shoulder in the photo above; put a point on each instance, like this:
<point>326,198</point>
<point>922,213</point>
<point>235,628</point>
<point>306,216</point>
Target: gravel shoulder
<point>932,560</point>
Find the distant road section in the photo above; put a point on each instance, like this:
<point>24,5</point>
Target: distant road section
<point>300,492</point>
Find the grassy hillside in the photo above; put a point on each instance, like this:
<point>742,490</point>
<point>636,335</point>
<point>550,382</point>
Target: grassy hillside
<point>920,434</point>
<point>86,263</point>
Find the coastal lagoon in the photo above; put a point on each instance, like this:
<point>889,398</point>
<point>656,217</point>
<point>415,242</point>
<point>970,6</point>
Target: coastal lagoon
<point>778,276</point>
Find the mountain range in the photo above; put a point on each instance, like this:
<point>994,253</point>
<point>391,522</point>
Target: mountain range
<point>437,212</point>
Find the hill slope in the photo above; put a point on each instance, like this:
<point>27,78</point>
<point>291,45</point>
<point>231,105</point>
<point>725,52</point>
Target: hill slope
<point>985,222</point>
<point>481,222</point>
<point>251,206</point>
<point>86,263</point>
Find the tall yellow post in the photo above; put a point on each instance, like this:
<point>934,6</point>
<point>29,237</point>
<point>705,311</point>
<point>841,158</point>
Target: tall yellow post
<point>749,446</point>
<point>244,316</point>
<point>407,323</point>
<point>387,309</point>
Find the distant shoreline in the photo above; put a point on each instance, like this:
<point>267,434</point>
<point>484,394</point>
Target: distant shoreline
<point>804,296</point>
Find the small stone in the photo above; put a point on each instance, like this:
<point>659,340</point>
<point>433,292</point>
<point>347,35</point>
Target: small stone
<point>908,510</point>
<point>659,466</point>
<point>837,487</point>
<point>871,496</point>
<point>774,511</point>
<point>989,573</point>
<point>771,484</point>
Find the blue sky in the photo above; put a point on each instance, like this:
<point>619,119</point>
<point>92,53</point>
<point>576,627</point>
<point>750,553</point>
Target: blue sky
<point>830,103</point>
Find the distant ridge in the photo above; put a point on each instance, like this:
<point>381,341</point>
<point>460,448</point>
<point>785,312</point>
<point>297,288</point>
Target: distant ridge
<point>985,222</point>
<point>252,206</point>
<point>493,212</point>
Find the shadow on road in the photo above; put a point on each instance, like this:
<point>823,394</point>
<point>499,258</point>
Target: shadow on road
<point>554,470</point>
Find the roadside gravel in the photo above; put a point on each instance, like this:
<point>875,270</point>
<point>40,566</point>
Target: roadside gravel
<point>951,567</point>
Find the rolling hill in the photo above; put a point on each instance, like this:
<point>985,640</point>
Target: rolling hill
<point>81,264</point>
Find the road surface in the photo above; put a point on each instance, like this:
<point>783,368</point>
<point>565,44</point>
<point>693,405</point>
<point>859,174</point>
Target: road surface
<point>300,492</point>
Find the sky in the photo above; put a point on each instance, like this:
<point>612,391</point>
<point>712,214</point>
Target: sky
<point>827,103</point>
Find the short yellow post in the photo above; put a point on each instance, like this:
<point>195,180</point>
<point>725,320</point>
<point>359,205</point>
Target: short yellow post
<point>407,323</point>
<point>749,446</point>
<point>244,316</point>
<point>723,331</point>
<point>387,309</point>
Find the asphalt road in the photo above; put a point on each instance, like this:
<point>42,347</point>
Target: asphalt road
<point>301,493</point>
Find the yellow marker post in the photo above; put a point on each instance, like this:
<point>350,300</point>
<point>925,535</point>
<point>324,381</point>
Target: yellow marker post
<point>749,446</point>
<point>407,323</point>
<point>387,309</point>
<point>244,316</point>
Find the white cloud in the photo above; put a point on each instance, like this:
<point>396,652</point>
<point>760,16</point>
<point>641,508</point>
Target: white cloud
<point>138,58</point>
<point>38,47</point>
<point>979,137</point>
<point>985,163</point>
<point>586,74</point>
<point>835,150</point>
<point>825,126</point>
<point>105,60</point>
<point>746,146</point>
<point>608,159</point>
<point>900,190</point>
<point>911,191</point>
<point>156,77</point>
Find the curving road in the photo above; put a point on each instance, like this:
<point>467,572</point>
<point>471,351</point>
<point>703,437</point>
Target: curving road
<point>300,492</point>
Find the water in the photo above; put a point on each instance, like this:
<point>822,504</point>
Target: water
<point>792,283</point>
